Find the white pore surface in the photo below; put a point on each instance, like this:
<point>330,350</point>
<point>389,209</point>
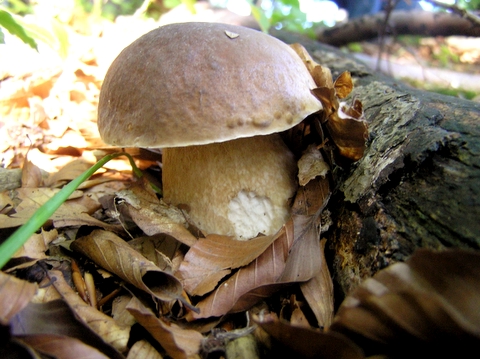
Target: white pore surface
<point>251,214</point>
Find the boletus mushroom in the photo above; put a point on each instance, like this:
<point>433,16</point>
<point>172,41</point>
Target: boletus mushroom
<point>214,97</point>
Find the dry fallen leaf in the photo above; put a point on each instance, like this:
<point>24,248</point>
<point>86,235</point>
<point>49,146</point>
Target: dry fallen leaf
<point>212,258</point>
<point>31,175</point>
<point>293,257</point>
<point>343,85</point>
<point>74,212</point>
<point>302,342</point>
<point>311,165</point>
<point>427,306</point>
<point>37,245</point>
<point>345,123</point>
<point>106,327</point>
<point>320,74</point>
<point>318,293</point>
<point>113,254</point>
<point>143,349</point>
<point>154,216</point>
<point>54,323</point>
<point>15,294</point>
<point>179,343</point>
<point>60,346</point>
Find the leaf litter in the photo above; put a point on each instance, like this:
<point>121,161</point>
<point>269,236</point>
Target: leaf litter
<point>148,263</point>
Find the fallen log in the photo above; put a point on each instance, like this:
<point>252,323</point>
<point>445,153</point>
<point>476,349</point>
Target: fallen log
<point>417,185</point>
<point>400,22</point>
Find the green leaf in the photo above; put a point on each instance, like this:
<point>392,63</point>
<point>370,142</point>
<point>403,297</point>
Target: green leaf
<point>55,35</point>
<point>15,28</point>
<point>261,18</point>
<point>190,4</point>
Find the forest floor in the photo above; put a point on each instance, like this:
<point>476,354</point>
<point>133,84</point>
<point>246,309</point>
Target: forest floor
<point>48,107</point>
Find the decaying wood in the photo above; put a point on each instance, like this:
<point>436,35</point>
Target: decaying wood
<point>400,23</point>
<point>418,182</point>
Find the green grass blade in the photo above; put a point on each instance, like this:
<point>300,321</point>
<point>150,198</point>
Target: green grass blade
<point>22,234</point>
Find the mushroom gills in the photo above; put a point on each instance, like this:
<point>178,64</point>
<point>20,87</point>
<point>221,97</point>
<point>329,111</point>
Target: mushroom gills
<point>238,188</point>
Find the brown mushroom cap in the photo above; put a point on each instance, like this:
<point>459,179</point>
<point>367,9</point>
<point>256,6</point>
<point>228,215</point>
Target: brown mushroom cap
<point>198,83</point>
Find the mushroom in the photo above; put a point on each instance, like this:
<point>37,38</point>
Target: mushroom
<point>214,97</point>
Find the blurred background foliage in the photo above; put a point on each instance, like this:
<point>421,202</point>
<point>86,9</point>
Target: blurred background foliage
<point>301,16</point>
<point>51,21</point>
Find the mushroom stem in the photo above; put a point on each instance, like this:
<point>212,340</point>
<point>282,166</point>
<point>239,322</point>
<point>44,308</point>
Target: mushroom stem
<point>238,188</point>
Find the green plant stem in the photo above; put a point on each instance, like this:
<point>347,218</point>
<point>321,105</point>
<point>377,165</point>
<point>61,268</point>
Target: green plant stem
<point>22,234</point>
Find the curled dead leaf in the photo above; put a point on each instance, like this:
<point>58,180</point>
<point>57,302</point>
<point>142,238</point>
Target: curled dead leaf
<point>113,254</point>
<point>318,293</point>
<point>427,306</point>
<point>55,325</point>
<point>343,85</point>
<point>349,130</point>
<point>179,343</point>
<point>320,74</point>
<point>303,342</point>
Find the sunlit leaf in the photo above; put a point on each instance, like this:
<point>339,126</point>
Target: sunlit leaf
<point>15,28</point>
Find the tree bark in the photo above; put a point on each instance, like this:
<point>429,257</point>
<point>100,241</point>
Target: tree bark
<point>400,23</point>
<point>418,184</point>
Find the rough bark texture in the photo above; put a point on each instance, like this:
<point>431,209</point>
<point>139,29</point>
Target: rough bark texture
<point>417,185</point>
<point>400,23</point>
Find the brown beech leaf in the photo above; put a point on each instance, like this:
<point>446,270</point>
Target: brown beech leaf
<point>304,55</point>
<point>349,133</point>
<point>37,245</point>
<point>318,293</point>
<point>159,249</point>
<point>293,257</point>
<point>179,343</point>
<point>263,271</point>
<point>68,172</point>
<point>343,85</point>
<point>154,216</point>
<point>212,258</point>
<point>305,256</point>
<point>60,346</point>
<point>15,294</point>
<point>31,175</point>
<point>326,95</point>
<point>103,325</point>
<point>312,197</point>
<point>58,319</point>
<point>113,254</point>
<point>430,303</point>
<point>321,74</point>
<point>143,349</point>
<point>311,165</point>
<point>69,213</point>
<point>301,342</point>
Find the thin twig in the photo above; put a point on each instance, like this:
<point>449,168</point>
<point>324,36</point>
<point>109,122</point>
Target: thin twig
<point>459,11</point>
